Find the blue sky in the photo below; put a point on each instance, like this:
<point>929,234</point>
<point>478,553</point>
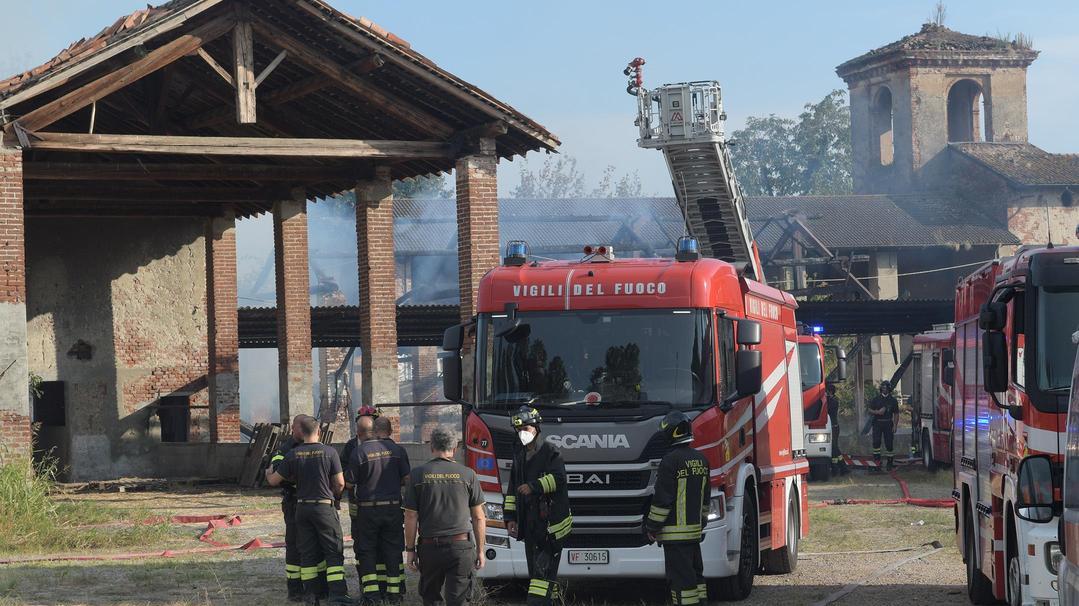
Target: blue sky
<point>560,62</point>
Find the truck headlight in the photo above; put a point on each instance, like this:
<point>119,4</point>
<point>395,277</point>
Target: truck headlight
<point>1053,557</point>
<point>818,438</point>
<point>717,507</point>
<point>494,511</point>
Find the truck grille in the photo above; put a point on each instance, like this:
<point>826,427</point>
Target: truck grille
<point>598,506</point>
<point>629,539</point>
<point>608,480</point>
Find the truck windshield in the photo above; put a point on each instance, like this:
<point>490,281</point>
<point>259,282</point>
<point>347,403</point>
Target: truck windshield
<point>810,362</point>
<point>621,358</point>
<point>1058,318</point>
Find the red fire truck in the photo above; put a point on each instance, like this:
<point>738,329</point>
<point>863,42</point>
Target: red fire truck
<point>604,348</point>
<point>1013,357</point>
<point>818,425</point>
<point>1069,522</point>
<point>933,370</point>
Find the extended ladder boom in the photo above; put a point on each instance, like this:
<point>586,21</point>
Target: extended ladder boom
<point>685,121</point>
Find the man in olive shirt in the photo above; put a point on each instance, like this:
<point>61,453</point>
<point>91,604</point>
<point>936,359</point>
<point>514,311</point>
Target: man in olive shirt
<point>444,500</point>
<point>316,470</point>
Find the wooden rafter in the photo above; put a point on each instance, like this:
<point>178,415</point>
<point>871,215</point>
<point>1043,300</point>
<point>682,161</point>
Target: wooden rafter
<point>118,79</point>
<point>266,71</point>
<point>243,53</point>
<point>154,195</point>
<point>215,66</point>
<point>89,171</point>
<point>242,146</point>
<point>399,108</point>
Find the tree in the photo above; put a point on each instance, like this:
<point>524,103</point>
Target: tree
<point>626,186</point>
<point>776,156</point>
<point>423,188</point>
<point>560,178</point>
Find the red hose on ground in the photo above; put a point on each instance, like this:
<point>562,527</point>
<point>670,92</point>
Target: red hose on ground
<point>905,500</point>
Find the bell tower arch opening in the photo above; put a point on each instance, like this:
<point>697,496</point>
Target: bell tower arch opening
<point>882,123</point>
<point>968,118</point>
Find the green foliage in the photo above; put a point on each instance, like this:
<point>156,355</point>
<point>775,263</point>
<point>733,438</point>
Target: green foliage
<point>776,156</point>
<point>559,177</point>
<point>423,188</point>
<point>34,519</point>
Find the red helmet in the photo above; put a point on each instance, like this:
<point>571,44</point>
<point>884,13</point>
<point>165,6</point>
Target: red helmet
<point>367,411</point>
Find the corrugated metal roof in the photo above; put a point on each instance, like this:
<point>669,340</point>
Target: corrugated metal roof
<point>1023,163</point>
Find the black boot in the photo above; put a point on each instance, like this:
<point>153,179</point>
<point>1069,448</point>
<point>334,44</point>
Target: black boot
<point>295,590</point>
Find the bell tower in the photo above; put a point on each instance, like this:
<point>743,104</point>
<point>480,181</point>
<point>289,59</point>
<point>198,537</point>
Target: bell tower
<point>911,98</point>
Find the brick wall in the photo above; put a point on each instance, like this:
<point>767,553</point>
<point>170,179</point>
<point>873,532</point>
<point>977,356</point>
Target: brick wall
<point>378,288</point>
<point>15,441</point>
<point>477,221</point>
<point>293,308</point>
<point>223,335</point>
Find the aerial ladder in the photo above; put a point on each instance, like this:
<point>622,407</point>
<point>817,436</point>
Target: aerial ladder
<point>686,122</point>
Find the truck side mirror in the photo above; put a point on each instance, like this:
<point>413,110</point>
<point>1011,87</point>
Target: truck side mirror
<point>1034,490</point>
<point>947,360</point>
<point>995,361</point>
<point>749,332</point>
<point>841,364</point>
<point>452,340</point>
<point>993,316</point>
<point>747,377</point>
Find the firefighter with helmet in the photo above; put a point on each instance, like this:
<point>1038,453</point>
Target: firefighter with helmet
<point>884,411</point>
<point>679,511</point>
<point>536,507</point>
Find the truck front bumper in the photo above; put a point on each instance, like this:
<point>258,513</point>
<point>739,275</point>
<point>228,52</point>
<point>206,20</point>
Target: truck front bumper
<point>644,562</point>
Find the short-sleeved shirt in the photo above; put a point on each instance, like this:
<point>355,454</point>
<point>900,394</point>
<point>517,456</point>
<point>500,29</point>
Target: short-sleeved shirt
<point>311,466</point>
<point>442,494</point>
<point>376,470</point>
<point>890,406</point>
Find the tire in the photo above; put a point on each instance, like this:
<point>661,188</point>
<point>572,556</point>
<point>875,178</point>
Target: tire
<point>512,589</point>
<point>738,586</point>
<point>819,472</point>
<point>927,454</point>
<point>979,587</point>
<point>1013,575</point>
<point>785,559</point>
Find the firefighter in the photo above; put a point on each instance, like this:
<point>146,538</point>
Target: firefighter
<point>884,411</point>
<point>365,418</point>
<point>288,509</point>
<point>379,468</point>
<point>679,511</point>
<point>839,466</point>
<point>316,470</point>
<point>536,509</point>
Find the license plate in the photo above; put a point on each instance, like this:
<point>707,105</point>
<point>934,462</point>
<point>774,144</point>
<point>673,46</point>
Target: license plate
<point>589,556</point>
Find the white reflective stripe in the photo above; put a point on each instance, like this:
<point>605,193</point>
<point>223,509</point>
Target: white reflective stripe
<point>769,410</point>
<point>773,379</point>
<point>1042,440</point>
<point>486,452</point>
<point>998,545</point>
<point>569,276</point>
<point>771,471</point>
<point>601,520</point>
<point>734,461</point>
<point>490,479</point>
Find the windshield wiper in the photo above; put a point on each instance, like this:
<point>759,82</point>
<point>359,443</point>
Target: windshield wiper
<point>635,403</point>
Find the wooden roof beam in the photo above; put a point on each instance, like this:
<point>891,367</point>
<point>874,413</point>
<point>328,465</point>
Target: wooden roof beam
<point>154,196</point>
<point>241,146</point>
<point>391,104</point>
<point>116,80</point>
<point>88,171</point>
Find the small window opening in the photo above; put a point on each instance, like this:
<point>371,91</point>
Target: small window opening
<point>175,415</point>
<point>882,118</point>
<point>967,113</point>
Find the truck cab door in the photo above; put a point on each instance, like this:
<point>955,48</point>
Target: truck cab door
<point>794,388</point>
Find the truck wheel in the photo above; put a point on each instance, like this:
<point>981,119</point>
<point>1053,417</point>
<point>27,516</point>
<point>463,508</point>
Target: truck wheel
<point>979,588</point>
<point>927,454</point>
<point>1013,580</point>
<point>819,472</point>
<point>738,586</point>
<point>785,559</point>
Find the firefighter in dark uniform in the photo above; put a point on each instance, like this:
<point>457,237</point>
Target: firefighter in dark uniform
<point>316,470</point>
<point>839,466</point>
<point>536,509</point>
<point>885,411</point>
<point>364,430</point>
<point>442,503</point>
<point>679,511</point>
<point>288,509</point>
<point>378,469</point>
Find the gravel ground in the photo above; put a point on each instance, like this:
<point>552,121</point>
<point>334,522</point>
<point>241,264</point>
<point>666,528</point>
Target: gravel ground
<point>826,570</point>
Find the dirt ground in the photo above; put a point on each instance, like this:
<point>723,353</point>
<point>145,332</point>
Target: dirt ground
<point>832,568</point>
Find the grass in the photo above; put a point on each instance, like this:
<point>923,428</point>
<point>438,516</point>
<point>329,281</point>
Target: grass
<point>34,521</point>
<point>870,527</point>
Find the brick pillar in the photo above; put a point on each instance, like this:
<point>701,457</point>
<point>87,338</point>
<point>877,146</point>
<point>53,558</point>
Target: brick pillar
<point>377,274</point>
<point>14,383</point>
<point>223,375</point>
<point>295,372</point>
<point>477,221</point>
<point>885,286</point>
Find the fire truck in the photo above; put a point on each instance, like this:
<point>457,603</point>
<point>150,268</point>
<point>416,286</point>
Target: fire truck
<point>1013,361</point>
<point>1069,522</point>
<point>818,424</point>
<point>604,347</point>
<point>933,370</point>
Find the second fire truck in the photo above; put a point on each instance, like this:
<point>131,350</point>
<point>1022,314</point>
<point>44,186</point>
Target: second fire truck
<point>933,370</point>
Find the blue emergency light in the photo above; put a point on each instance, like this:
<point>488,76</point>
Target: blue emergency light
<point>516,253</point>
<point>687,249</point>
<point>818,330</point>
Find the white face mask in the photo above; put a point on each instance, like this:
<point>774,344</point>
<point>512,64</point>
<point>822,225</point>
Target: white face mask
<point>526,436</point>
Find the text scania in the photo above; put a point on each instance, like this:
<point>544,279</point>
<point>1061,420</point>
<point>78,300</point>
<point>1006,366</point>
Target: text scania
<point>590,290</point>
<point>590,441</point>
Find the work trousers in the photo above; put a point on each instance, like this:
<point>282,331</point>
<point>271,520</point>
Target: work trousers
<point>837,453</point>
<point>292,551</point>
<point>543,555</point>
<point>318,535</point>
<point>446,572</point>
<point>684,568</point>
<point>379,541</point>
<point>886,431</point>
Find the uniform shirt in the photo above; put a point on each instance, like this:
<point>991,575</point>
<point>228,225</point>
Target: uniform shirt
<point>311,466</point>
<point>890,406</point>
<point>680,505</point>
<point>376,469</point>
<point>442,493</point>
<point>288,489</point>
